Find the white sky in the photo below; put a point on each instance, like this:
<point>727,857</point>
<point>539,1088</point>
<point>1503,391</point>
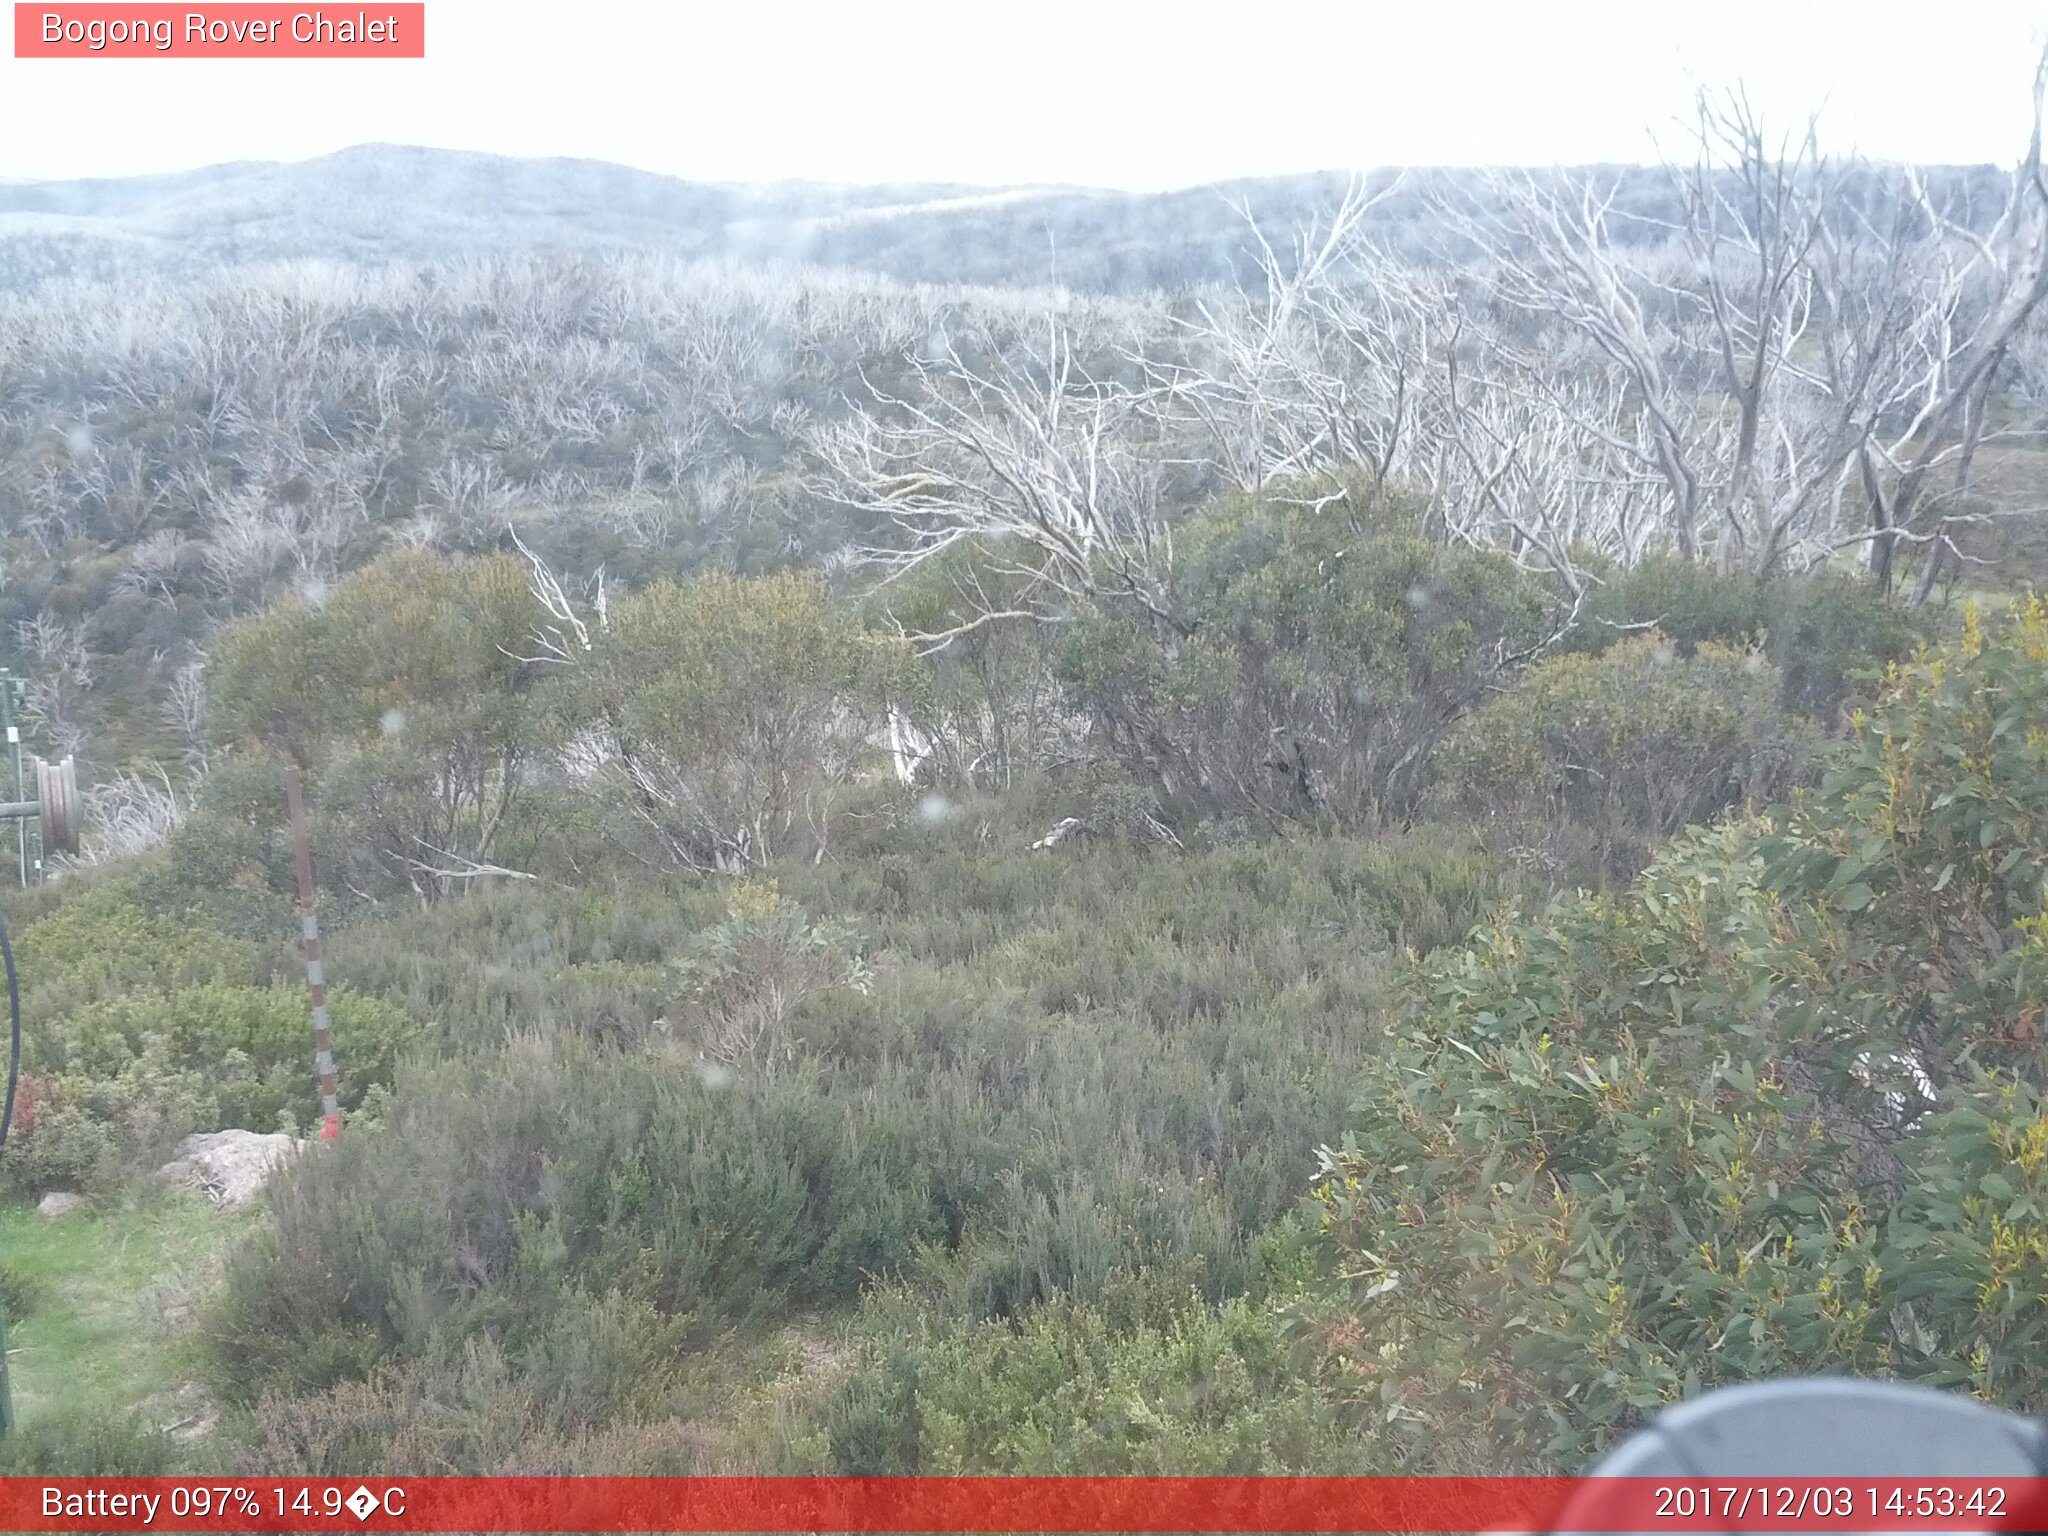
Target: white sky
<point>1129,93</point>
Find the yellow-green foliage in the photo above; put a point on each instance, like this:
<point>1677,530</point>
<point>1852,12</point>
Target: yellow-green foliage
<point>104,944</point>
<point>1777,1110</point>
<point>145,1028</point>
<point>1622,748</point>
<point>736,708</point>
<point>434,639</point>
<point>1827,634</point>
<point>404,690</point>
<point>1142,1382</point>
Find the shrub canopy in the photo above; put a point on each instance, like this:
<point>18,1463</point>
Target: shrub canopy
<point>1777,1110</point>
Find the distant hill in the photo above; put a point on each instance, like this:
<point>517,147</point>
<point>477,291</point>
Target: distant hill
<point>387,202</point>
<point>378,203</point>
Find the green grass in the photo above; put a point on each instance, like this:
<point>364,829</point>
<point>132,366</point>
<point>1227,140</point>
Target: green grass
<point>110,1291</point>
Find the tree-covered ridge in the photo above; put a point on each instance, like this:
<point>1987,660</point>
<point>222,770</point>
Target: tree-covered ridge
<point>381,204</point>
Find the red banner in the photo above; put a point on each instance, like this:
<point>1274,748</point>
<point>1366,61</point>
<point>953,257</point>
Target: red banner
<point>224,31</point>
<point>1012,1504</point>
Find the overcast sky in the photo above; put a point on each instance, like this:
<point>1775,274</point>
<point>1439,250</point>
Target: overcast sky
<point>1110,93</point>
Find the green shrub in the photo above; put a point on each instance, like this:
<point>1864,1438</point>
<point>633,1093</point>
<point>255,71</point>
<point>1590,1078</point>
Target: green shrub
<point>552,1402</point>
<point>1617,751</point>
<point>85,1132</point>
<point>731,713</point>
<point>744,979</point>
<point>105,944</point>
<point>148,1028</point>
<point>80,1444</point>
<point>231,857</point>
<point>1046,1074</point>
<point>21,1293</point>
<point>500,1178</point>
<point>405,692</point>
<point>1316,655</point>
<point>1140,1383</point>
<point>1828,635</point>
<point>1779,1110</point>
<point>588,963</point>
<point>988,699</point>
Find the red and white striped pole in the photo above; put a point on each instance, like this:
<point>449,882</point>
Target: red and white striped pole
<point>316,975</point>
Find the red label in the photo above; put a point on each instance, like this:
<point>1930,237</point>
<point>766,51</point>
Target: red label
<point>231,31</point>
<point>1681,1506</point>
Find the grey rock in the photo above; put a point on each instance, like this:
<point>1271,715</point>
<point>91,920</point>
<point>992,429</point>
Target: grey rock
<point>230,1166</point>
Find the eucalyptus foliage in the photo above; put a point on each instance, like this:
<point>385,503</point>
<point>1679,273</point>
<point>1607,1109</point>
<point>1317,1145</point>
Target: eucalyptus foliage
<point>1776,1110</point>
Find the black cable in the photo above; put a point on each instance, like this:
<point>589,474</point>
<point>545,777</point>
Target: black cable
<point>14,1012</point>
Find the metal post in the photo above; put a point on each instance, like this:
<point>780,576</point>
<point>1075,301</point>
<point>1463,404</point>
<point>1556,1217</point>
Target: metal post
<point>7,1087</point>
<point>316,976</point>
<point>6,1392</point>
<point>10,688</point>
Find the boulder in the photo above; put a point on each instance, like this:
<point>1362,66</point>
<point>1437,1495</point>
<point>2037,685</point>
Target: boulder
<point>230,1166</point>
<point>59,1202</point>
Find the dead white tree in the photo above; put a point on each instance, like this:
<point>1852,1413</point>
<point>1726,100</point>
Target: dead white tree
<point>1353,366</point>
<point>1546,476</point>
<point>447,870</point>
<point>182,712</point>
<point>1993,286</point>
<point>1310,372</point>
<point>565,635</point>
<point>152,563</point>
<point>64,669</point>
<point>1054,468</point>
<point>127,815</point>
<point>1806,353</point>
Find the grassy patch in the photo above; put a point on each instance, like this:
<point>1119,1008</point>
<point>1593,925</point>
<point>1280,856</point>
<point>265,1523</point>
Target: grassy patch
<point>111,1288</point>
